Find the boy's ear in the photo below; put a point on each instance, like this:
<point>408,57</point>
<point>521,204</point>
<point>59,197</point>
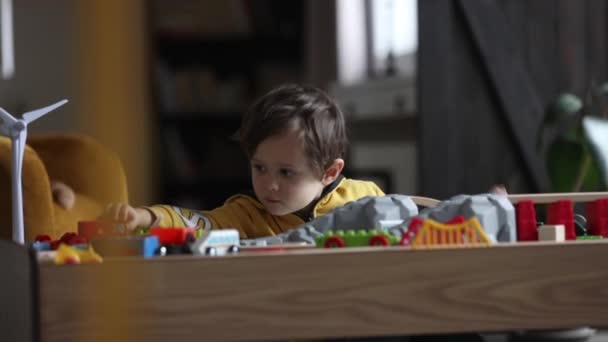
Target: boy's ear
<point>333,171</point>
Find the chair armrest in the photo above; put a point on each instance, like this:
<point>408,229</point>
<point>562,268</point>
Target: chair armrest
<point>84,164</point>
<point>37,197</point>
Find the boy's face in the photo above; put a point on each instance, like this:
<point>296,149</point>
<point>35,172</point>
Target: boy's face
<point>282,177</point>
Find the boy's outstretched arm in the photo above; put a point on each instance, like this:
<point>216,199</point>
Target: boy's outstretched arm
<point>130,216</point>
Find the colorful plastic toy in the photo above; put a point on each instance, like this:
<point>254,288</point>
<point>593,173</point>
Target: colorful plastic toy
<point>217,242</point>
<point>69,255</point>
<point>121,246</point>
<point>366,212</point>
<point>44,242</point>
<point>355,238</point>
<point>526,221</point>
<point>468,233</point>
<point>560,210</point>
<point>562,213</point>
<point>590,237</point>
<point>174,236</point>
<point>97,228</point>
<point>495,213</point>
<point>174,240</point>
<point>415,225</point>
<point>552,232</point>
<point>597,216</point>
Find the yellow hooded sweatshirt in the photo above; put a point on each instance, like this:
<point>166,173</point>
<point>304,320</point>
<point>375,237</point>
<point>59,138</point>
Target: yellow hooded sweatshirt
<point>249,216</point>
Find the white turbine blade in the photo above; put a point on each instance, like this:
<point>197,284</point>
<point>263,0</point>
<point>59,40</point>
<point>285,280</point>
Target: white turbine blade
<point>7,117</point>
<point>18,151</point>
<point>35,114</point>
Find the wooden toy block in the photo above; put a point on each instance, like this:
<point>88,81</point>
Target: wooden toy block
<point>552,232</point>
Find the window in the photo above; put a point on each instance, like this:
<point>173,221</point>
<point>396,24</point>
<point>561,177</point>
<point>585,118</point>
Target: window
<point>6,37</point>
<point>376,38</point>
<point>394,31</point>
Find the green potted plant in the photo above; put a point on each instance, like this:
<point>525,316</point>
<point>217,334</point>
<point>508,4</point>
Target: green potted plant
<point>574,140</point>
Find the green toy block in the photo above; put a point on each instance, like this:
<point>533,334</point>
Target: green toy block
<point>357,238</point>
<point>589,237</point>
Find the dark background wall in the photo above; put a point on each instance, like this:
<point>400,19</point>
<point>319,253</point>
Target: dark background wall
<point>478,104</point>
<point>486,71</point>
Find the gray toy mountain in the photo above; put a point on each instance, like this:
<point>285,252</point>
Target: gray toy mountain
<point>495,213</point>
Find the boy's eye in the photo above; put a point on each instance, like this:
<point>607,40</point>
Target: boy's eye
<point>257,167</point>
<point>287,173</point>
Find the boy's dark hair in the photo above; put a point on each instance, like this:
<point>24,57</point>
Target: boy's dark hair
<point>306,108</point>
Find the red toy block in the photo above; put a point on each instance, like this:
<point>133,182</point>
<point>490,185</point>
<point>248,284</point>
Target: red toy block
<point>78,240</point>
<point>174,236</point>
<point>597,216</point>
<point>93,229</point>
<point>55,244</point>
<point>526,221</point>
<point>67,237</point>
<point>562,212</point>
<point>43,238</point>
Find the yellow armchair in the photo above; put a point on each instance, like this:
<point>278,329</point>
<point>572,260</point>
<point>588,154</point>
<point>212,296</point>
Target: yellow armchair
<point>94,173</point>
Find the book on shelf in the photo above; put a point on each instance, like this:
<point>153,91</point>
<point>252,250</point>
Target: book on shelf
<point>200,18</point>
<point>180,164</point>
<point>198,89</point>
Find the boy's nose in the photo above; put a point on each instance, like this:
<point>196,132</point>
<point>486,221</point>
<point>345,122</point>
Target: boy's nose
<point>273,185</point>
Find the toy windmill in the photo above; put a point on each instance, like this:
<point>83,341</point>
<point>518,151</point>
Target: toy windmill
<point>16,130</point>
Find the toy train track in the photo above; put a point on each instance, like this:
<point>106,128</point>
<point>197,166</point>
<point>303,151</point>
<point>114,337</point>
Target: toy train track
<point>558,196</point>
<point>544,198</point>
<point>425,201</point>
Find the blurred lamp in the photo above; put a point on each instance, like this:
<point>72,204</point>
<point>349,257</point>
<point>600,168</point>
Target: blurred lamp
<point>6,36</point>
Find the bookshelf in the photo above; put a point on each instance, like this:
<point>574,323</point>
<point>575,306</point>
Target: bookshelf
<point>205,76</point>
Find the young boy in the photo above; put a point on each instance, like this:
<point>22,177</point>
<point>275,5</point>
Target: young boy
<point>295,139</point>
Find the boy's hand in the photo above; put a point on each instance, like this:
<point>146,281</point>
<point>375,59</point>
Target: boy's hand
<point>131,217</point>
<point>63,194</point>
<point>499,189</point>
